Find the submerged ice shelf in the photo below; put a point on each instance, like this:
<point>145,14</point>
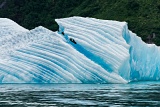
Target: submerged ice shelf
<point>104,52</point>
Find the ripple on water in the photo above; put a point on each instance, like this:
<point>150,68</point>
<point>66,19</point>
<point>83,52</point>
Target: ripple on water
<point>49,95</point>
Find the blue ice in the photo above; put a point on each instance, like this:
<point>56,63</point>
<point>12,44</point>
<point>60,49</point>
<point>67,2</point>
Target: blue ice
<point>106,51</point>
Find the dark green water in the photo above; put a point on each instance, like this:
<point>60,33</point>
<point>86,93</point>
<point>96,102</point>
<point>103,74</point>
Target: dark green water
<point>74,95</point>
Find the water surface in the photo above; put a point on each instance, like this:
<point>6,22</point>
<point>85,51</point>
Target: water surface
<point>50,95</point>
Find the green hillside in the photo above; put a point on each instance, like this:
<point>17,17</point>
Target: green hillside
<point>143,16</point>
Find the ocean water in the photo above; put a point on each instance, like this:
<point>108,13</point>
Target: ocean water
<point>75,95</point>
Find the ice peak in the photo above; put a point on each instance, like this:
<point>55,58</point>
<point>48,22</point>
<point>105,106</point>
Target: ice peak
<point>11,25</point>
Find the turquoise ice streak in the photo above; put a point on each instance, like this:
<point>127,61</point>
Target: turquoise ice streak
<point>83,50</point>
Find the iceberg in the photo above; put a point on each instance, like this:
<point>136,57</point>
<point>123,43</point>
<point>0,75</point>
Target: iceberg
<point>83,50</point>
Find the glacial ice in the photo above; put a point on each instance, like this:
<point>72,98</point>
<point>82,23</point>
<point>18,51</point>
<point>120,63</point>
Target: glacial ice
<point>105,52</point>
